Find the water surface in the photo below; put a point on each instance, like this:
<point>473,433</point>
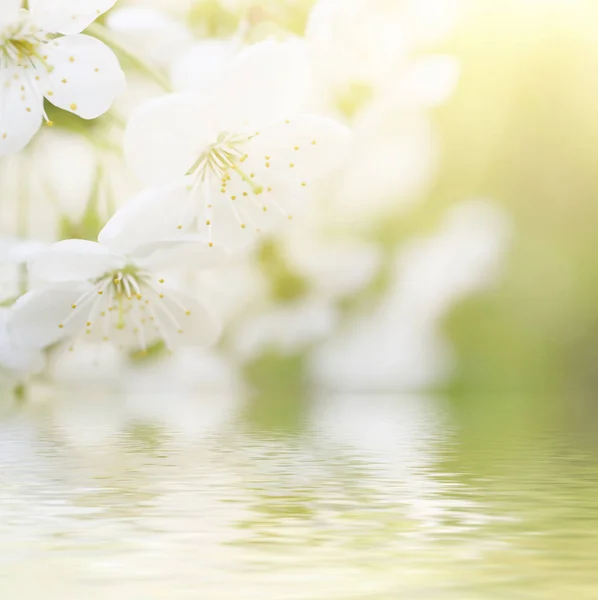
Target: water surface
<point>365,497</point>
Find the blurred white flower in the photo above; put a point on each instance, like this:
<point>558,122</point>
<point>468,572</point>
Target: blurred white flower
<point>43,55</point>
<point>286,328</point>
<point>245,152</point>
<point>60,179</point>
<point>331,270</point>
<point>15,358</point>
<point>14,254</point>
<point>152,34</point>
<point>397,346</point>
<point>111,291</point>
<point>355,44</point>
<point>203,65</point>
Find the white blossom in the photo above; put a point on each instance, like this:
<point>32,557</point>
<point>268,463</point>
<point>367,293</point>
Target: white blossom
<point>245,151</point>
<point>44,55</point>
<point>395,345</point>
<point>114,291</point>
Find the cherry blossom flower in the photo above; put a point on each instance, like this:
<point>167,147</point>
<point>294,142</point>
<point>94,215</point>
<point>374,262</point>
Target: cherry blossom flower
<point>114,291</point>
<point>244,150</point>
<point>44,55</point>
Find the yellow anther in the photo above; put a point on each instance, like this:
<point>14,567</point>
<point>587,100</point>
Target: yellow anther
<point>292,165</point>
<point>50,123</point>
<point>267,165</point>
<point>233,197</point>
<point>74,306</point>
<point>208,223</point>
<point>188,313</point>
<point>161,280</point>
<point>61,326</point>
<point>100,293</point>
<point>71,58</point>
<point>244,193</point>
<point>313,143</point>
<point>73,106</point>
<point>88,323</point>
<point>296,148</point>
<point>210,245</point>
<point>243,225</point>
<point>161,295</point>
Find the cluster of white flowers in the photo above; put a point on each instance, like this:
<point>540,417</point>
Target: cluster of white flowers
<point>232,186</point>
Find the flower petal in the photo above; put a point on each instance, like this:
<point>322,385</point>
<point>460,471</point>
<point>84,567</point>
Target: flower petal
<point>86,77</point>
<point>67,16</point>
<point>300,150</point>
<point>14,357</point>
<point>165,136</point>
<point>9,11</point>
<point>20,108</point>
<point>204,65</point>
<point>151,216</point>
<point>190,323</point>
<point>74,260</point>
<point>187,251</point>
<point>267,82</point>
<point>36,317</point>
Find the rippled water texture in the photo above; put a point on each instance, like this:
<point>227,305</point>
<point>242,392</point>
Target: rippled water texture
<point>339,496</point>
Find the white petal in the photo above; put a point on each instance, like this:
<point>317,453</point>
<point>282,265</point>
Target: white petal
<point>67,16</point>
<point>267,82</point>
<point>199,328</point>
<point>150,32</point>
<point>14,357</point>
<point>151,216</point>
<point>36,317</point>
<point>431,81</point>
<point>9,11</point>
<point>86,77</point>
<point>20,108</point>
<point>74,260</point>
<point>300,150</point>
<point>165,136</point>
<point>186,251</point>
<point>204,65</point>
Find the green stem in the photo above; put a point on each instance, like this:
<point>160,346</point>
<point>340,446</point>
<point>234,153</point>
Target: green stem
<point>105,35</point>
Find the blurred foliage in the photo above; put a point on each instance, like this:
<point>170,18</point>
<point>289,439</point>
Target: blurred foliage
<point>523,129</point>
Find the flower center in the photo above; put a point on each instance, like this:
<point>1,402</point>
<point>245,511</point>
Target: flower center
<point>222,158</point>
<point>127,304</point>
<point>21,42</point>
